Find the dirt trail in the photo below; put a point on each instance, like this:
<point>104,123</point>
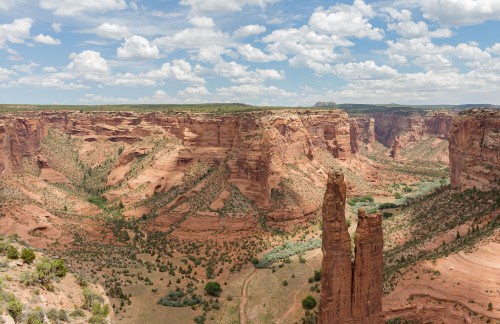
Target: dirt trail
<point>293,308</point>
<point>244,298</point>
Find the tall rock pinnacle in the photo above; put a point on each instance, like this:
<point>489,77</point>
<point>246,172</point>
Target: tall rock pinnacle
<point>350,292</point>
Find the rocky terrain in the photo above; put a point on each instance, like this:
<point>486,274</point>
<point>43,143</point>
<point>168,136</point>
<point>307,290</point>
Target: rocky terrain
<point>351,292</point>
<point>475,150</point>
<point>37,289</point>
<point>153,205</point>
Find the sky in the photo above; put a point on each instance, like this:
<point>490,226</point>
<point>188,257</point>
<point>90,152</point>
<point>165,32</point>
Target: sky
<point>260,52</point>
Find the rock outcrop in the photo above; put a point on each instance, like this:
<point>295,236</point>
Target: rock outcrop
<point>257,148</point>
<point>405,126</point>
<point>475,150</point>
<point>350,292</point>
<point>396,147</point>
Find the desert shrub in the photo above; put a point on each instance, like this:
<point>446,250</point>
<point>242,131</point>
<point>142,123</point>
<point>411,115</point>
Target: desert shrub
<point>29,278</point>
<point>48,269</point>
<point>355,200</point>
<point>35,317</point>
<point>309,302</point>
<point>490,306</point>
<point>285,283</point>
<point>28,255</point>
<point>213,288</point>
<point>387,214</point>
<point>317,275</point>
<point>387,205</point>
<point>12,253</point>
<point>15,308</point>
<point>179,298</point>
<point>90,299</point>
<point>287,250</point>
<point>77,313</point>
<point>63,316</point>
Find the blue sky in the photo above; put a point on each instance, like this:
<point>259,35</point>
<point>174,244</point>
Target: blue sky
<point>266,52</point>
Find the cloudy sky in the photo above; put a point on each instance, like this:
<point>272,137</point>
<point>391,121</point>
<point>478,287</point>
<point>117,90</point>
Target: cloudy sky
<point>268,52</point>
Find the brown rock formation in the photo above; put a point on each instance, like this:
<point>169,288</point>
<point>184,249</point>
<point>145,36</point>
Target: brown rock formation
<point>353,133</point>
<point>256,147</point>
<point>475,150</point>
<point>350,293</point>
<point>396,147</point>
<point>407,127</point>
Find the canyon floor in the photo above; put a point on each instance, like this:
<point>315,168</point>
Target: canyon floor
<point>152,219</point>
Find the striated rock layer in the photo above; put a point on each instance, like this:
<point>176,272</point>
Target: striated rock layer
<point>475,150</point>
<point>351,292</point>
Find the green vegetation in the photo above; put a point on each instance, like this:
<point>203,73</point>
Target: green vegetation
<point>179,298</point>
<point>287,250</point>
<point>15,308</point>
<point>309,302</point>
<point>12,252</point>
<point>27,255</point>
<point>213,288</point>
<point>360,200</point>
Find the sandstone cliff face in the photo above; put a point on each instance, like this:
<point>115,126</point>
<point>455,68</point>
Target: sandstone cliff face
<point>350,293</point>
<point>256,147</point>
<point>406,127</point>
<point>475,150</point>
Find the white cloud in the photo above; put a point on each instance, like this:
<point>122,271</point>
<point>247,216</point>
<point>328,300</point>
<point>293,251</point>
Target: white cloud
<point>212,54</point>
<point>179,70</point>
<point>56,27</point>
<point>25,68</point>
<point>495,49</point>
<point>7,4</point>
<point>112,31</point>
<point>46,39</point>
<point>254,54</point>
<point>6,73</point>
<point>249,30</point>
<point>49,69</point>
<point>238,73</point>
<point>78,7</point>
<point>408,28</point>
<point>218,6</point>
<point>460,13</point>
<point>194,38</point>
<point>346,21</point>
<point>40,81</point>
<point>255,93</point>
<point>16,33</point>
<point>364,70</point>
<point>90,66</point>
<point>202,22</point>
<point>137,47</point>
<point>193,92</point>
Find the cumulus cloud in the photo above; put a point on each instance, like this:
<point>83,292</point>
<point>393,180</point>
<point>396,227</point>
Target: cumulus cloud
<point>16,32</point>
<point>5,73</point>
<point>202,22</point>
<point>346,21</point>
<point>89,65</point>
<point>78,7</point>
<point>239,73</point>
<point>253,54</point>
<point>218,6</point>
<point>194,38</point>
<point>56,27</point>
<point>193,92</point>
<point>112,31</point>
<point>46,39</point>
<point>408,28</point>
<point>460,13</point>
<point>495,49</point>
<point>137,47</point>
<point>179,70</point>
<point>249,30</point>
<point>364,70</point>
<point>7,4</point>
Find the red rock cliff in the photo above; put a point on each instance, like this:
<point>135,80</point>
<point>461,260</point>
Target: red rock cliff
<point>475,150</point>
<point>350,293</point>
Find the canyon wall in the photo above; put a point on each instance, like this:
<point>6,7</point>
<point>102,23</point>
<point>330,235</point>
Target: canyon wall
<point>406,127</point>
<point>350,292</point>
<point>475,150</point>
<point>257,147</point>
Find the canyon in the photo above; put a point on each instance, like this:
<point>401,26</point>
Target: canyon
<point>219,191</point>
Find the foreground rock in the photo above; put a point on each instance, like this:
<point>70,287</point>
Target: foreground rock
<point>475,150</point>
<point>350,293</point>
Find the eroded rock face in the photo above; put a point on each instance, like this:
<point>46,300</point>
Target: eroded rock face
<point>256,148</point>
<point>406,127</point>
<point>350,292</point>
<point>475,150</point>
